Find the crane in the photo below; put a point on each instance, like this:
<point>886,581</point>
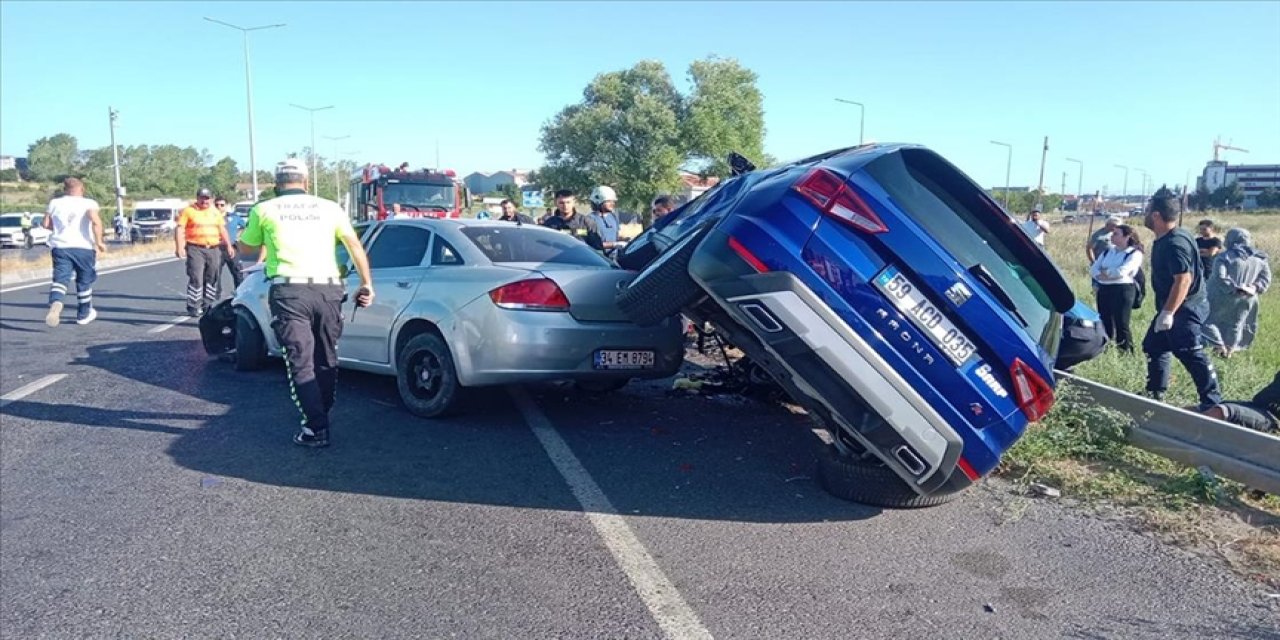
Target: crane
<point>1217,145</point>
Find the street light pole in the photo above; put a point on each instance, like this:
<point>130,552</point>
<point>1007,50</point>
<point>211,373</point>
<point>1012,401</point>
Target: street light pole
<point>1008,166</point>
<point>862,116</point>
<point>248,85</point>
<point>315,181</point>
<point>1079,183</point>
<point>337,172</point>
<point>1124,190</point>
<point>1142,196</point>
<point>115,155</point>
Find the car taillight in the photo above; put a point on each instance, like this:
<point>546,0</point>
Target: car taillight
<point>1034,395</point>
<point>542,294</point>
<point>834,197</point>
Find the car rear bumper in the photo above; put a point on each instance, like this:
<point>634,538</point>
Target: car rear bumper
<point>500,346</point>
<point>831,365</point>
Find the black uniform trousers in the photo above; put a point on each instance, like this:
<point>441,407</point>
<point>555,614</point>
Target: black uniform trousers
<point>237,271</point>
<point>1182,341</point>
<point>307,319</point>
<point>204,266</point>
<point>1115,307</point>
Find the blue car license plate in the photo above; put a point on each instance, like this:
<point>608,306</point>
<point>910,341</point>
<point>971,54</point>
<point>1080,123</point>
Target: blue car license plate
<point>927,317</point>
<point>624,359</point>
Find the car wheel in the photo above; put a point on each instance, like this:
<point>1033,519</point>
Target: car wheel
<point>664,287</point>
<point>600,387</point>
<point>426,377</point>
<point>251,345</point>
<point>869,481</point>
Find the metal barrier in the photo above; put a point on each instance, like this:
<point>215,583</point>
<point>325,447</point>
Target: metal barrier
<point>1244,455</point>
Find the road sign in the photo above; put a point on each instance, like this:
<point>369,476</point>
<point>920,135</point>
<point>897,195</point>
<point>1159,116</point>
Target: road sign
<point>532,198</point>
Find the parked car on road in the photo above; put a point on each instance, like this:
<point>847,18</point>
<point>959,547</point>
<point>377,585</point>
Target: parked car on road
<point>11,231</point>
<point>155,219</point>
<point>887,293</point>
<point>467,303</point>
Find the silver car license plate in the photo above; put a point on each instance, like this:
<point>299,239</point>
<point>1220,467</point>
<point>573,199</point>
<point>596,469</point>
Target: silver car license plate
<point>908,299</point>
<point>624,359</point>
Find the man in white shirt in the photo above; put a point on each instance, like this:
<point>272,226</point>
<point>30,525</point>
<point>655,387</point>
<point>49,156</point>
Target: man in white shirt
<point>1035,227</point>
<point>76,239</point>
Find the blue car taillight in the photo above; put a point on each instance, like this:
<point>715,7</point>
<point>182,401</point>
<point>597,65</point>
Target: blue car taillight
<point>1034,395</point>
<point>831,194</point>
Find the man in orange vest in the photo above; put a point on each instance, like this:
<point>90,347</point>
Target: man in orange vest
<point>199,237</point>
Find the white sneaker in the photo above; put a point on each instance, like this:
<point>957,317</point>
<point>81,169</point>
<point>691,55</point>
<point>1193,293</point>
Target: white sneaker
<point>93,315</point>
<point>55,311</point>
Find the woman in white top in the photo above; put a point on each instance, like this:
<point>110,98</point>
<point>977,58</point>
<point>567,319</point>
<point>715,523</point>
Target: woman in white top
<point>1114,272</point>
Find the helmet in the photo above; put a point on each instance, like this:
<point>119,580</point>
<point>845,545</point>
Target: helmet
<point>603,194</point>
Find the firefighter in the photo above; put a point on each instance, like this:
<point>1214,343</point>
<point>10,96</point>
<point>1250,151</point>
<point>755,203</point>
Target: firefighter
<point>198,238</point>
<point>298,231</point>
<point>566,219</point>
<point>603,202</point>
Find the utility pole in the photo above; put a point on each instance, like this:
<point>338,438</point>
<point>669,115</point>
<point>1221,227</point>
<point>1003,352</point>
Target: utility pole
<point>315,180</point>
<point>1044,155</point>
<point>248,86</point>
<point>1124,190</point>
<point>1064,183</point>
<point>1008,165</point>
<point>115,155</point>
<point>1142,195</point>
<point>862,116</point>
<point>1079,178</point>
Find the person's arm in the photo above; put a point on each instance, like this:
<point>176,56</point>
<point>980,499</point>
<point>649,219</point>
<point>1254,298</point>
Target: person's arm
<point>1129,268</point>
<point>96,221</point>
<point>364,296</point>
<point>1264,279</point>
<point>251,237</point>
<point>47,220</point>
<point>180,236</point>
<point>1095,270</point>
<point>226,240</point>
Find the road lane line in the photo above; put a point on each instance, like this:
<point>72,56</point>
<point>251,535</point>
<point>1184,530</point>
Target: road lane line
<point>676,618</point>
<point>30,388</point>
<point>165,327</point>
<point>100,273</point>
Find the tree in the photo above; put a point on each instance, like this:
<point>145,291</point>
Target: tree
<point>222,178</point>
<point>53,158</point>
<point>9,175</point>
<point>1269,198</point>
<point>512,193</point>
<point>624,133</point>
<point>1199,199</point>
<point>724,113</point>
<point>1228,195</point>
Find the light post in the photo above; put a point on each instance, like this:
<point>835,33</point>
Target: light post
<point>248,86</point>
<point>862,119</point>
<point>1079,184</point>
<point>312,111</point>
<point>337,172</point>
<point>1124,190</point>
<point>1142,196</point>
<point>1008,166</point>
<point>115,156</point>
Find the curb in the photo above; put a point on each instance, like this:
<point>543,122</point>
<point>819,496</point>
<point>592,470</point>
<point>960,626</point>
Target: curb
<point>27,276</point>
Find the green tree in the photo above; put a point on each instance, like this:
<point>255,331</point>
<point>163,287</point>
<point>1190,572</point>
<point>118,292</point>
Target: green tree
<point>222,178</point>
<point>1228,195</point>
<point>1269,198</point>
<point>723,113</point>
<point>53,158</point>
<point>9,175</point>
<point>624,133</point>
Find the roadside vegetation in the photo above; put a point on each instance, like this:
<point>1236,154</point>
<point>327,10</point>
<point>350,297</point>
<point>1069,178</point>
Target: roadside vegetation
<point>1080,448</point>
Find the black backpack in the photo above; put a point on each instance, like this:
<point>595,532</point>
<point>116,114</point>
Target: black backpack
<point>1139,281</point>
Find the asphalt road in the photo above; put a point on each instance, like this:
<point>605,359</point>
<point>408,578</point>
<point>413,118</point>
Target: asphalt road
<point>152,492</point>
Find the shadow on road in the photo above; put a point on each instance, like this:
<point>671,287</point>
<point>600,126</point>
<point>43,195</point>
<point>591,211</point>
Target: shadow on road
<point>651,455</point>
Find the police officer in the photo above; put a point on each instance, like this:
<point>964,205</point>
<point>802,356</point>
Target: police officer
<point>200,238</point>
<point>298,231</point>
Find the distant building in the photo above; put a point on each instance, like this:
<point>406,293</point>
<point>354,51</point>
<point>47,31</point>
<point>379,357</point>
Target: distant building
<point>1253,179</point>
<point>8,162</point>
<point>481,182</point>
<point>693,185</point>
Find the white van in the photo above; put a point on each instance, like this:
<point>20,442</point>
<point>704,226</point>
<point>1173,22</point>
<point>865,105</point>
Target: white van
<point>154,219</point>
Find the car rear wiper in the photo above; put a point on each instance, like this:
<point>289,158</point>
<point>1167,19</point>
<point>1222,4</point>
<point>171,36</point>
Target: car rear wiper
<point>980,272</point>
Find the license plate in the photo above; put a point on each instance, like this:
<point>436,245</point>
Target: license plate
<point>623,359</point>
<point>908,299</point>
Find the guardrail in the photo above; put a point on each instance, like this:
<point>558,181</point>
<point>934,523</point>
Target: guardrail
<point>1244,455</point>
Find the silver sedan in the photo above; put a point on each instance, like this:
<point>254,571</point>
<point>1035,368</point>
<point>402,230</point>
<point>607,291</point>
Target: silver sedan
<point>468,303</point>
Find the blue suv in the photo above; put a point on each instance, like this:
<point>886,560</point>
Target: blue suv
<point>887,293</point>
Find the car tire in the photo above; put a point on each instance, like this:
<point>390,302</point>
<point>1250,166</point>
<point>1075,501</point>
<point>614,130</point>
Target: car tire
<point>869,481</point>
<point>426,377</point>
<point>251,345</point>
<point>601,387</point>
<point>665,287</point>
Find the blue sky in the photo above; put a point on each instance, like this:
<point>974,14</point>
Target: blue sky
<point>1144,84</point>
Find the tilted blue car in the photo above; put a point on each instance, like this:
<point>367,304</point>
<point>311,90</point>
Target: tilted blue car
<point>887,293</point>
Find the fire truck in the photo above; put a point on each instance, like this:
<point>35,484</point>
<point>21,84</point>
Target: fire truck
<point>378,192</point>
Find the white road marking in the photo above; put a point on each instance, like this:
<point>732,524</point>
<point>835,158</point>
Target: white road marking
<point>676,618</point>
<point>30,388</point>
<point>165,327</point>
<point>101,273</point>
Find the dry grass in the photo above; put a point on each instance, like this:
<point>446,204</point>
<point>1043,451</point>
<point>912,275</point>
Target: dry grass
<point>38,258</point>
<point>1081,448</point>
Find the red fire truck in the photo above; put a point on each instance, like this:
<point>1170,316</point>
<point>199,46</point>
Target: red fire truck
<point>378,192</point>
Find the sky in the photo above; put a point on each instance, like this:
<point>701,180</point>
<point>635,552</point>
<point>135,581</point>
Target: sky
<point>1148,85</point>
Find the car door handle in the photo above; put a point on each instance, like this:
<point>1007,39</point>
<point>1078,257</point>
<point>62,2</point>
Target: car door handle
<point>404,285</point>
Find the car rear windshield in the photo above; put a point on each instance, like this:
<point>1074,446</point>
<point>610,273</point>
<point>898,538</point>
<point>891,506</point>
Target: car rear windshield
<point>943,202</point>
<point>509,243</point>
<point>153,214</point>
